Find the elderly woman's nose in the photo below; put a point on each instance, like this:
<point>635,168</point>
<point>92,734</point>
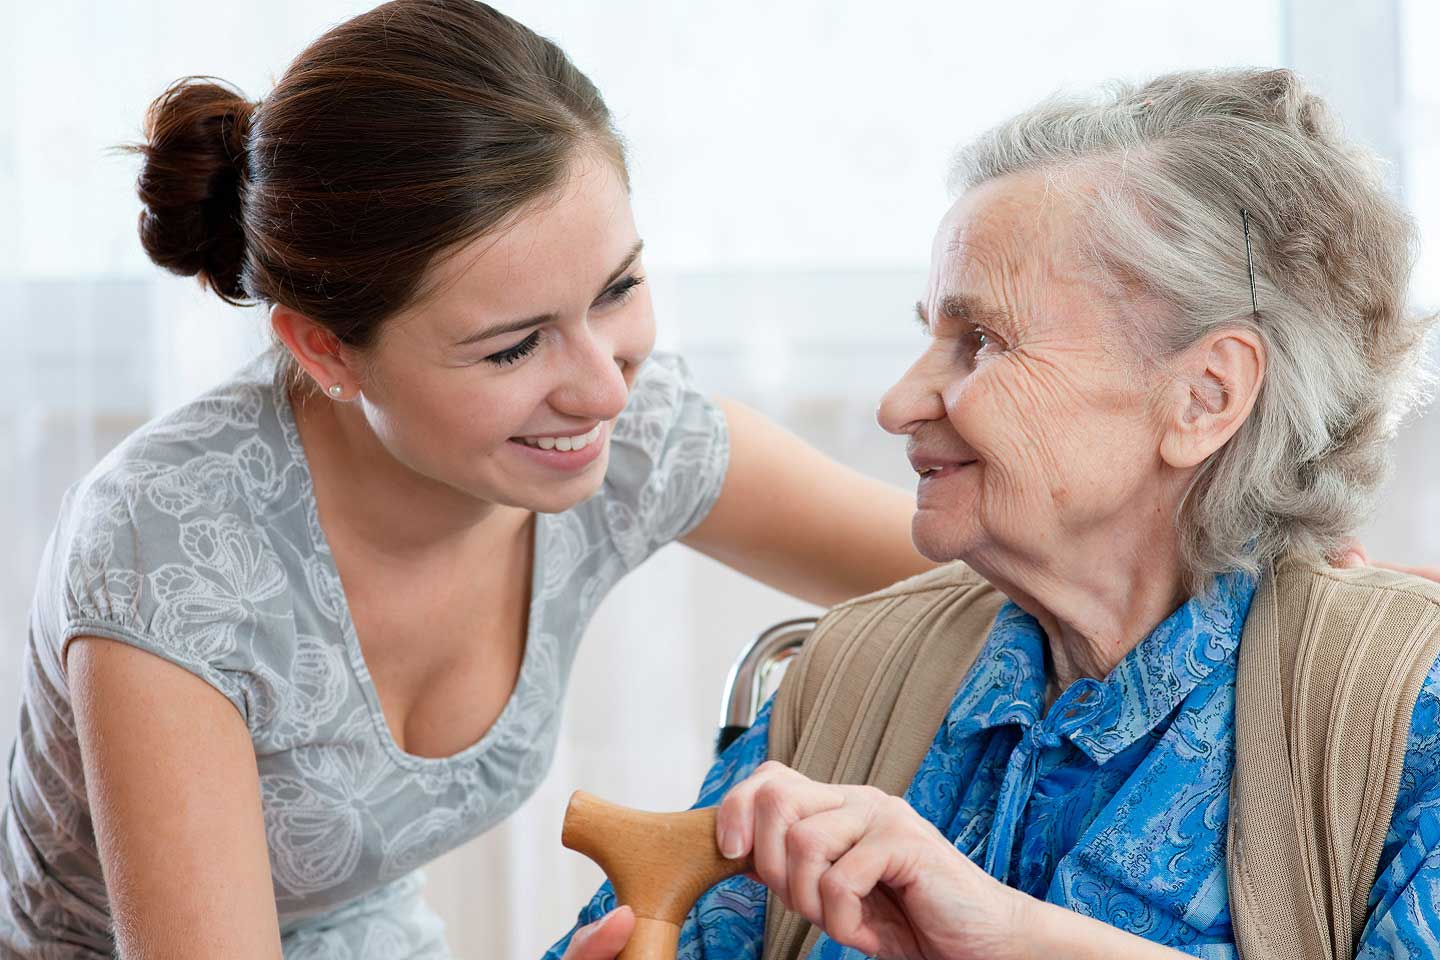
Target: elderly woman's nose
<point>911,402</point>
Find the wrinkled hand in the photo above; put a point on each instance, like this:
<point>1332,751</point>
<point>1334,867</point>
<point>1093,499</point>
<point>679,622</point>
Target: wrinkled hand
<point>603,939</point>
<point>868,870</point>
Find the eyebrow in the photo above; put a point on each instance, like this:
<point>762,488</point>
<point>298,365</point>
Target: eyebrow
<point>515,326</point>
<point>962,308</point>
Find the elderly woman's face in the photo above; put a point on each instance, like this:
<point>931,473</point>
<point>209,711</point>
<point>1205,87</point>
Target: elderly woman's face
<point>1031,426</point>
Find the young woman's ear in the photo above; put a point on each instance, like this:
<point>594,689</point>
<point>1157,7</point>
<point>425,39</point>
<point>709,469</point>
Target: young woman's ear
<point>317,351</point>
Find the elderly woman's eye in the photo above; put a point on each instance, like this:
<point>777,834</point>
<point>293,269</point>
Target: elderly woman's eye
<point>980,339</point>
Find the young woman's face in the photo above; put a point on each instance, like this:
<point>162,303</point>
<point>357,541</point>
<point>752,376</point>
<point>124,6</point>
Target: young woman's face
<point>505,382</point>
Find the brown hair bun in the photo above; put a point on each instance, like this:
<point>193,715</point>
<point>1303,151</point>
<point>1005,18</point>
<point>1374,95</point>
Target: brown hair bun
<point>191,182</point>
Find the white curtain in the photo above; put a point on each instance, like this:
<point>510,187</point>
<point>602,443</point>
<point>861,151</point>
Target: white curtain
<point>789,164</point>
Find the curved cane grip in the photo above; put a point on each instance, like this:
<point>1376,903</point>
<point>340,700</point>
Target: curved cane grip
<point>658,863</point>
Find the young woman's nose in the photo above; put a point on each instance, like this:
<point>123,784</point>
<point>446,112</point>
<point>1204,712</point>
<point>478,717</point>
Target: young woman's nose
<point>594,387</point>
<point>915,399</point>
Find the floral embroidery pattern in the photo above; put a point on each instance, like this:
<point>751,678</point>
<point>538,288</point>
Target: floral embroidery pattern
<point>199,540</point>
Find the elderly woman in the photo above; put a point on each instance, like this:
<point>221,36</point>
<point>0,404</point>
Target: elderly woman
<point>1168,346</point>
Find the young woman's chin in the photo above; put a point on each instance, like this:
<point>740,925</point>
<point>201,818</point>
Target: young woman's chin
<point>548,481</point>
<point>558,498</point>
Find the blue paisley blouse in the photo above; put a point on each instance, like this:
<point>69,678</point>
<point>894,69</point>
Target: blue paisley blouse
<point>1113,802</point>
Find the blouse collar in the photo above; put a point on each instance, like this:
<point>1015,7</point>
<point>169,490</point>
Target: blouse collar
<point>1102,717</point>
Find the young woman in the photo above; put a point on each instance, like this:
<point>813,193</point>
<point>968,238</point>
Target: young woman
<point>312,629</point>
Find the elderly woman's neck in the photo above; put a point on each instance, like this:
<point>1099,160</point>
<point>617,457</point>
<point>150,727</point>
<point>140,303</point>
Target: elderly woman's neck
<point>1095,606</point>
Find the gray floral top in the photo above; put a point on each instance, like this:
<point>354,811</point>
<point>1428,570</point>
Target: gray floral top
<point>198,540</point>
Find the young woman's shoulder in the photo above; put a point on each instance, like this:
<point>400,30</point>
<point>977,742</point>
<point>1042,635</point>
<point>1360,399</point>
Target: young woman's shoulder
<point>668,456</point>
<point>166,544</point>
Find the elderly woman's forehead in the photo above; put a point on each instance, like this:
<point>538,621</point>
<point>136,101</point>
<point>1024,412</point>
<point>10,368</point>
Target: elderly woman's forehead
<point>1003,232</point>
<point>1006,213</point>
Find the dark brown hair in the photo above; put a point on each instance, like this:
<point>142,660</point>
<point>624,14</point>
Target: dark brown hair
<point>398,135</point>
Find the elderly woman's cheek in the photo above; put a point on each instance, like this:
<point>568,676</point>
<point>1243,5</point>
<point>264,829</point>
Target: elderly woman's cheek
<point>1024,422</point>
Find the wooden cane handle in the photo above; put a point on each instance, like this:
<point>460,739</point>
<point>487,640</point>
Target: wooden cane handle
<point>651,940</point>
<point>658,863</point>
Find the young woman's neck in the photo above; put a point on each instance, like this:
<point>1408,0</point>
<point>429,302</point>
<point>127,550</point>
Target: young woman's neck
<point>377,503</point>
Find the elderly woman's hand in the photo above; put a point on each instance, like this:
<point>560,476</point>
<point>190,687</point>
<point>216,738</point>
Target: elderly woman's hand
<point>868,870</point>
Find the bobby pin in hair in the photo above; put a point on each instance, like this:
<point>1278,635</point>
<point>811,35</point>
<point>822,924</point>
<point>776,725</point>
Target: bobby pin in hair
<point>1249,261</point>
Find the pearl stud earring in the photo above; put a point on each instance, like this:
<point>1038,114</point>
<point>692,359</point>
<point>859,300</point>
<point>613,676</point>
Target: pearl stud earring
<point>335,390</point>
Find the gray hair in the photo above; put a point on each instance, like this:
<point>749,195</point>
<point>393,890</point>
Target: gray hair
<point>1163,171</point>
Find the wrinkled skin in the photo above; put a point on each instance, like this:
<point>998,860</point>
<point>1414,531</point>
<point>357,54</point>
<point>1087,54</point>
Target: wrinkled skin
<point>1047,425</point>
<point>1031,382</point>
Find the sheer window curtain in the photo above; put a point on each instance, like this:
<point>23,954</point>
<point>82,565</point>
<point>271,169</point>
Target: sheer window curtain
<point>789,164</point>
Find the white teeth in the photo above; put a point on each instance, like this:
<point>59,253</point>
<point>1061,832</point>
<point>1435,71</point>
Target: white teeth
<point>566,444</point>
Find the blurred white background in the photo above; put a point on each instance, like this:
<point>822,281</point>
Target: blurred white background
<point>789,164</point>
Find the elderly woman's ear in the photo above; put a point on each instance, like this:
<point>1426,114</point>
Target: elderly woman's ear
<point>1217,381</point>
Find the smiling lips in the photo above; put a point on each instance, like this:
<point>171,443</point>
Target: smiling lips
<point>930,467</point>
<point>564,444</point>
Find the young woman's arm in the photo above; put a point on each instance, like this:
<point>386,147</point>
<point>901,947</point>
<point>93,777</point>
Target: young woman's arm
<point>793,518</point>
<point>175,797</point>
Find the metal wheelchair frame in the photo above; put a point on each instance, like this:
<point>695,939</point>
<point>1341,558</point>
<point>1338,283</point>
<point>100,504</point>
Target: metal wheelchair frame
<point>752,673</point>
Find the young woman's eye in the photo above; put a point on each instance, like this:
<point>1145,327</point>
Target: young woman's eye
<point>621,289</point>
<point>516,353</point>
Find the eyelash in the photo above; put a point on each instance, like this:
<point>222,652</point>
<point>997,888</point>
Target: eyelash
<point>619,292</point>
<point>516,353</point>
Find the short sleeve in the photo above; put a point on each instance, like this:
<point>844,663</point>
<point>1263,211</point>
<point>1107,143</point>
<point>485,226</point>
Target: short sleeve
<point>728,920</point>
<point>1404,919</point>
<point>155,555</point>
<point>668,457</point>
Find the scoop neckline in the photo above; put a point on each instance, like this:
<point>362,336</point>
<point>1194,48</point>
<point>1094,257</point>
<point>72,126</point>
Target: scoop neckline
<point>355,656</point>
